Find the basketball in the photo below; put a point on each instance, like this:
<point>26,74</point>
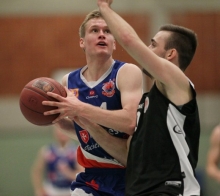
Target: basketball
<point>31,98</point>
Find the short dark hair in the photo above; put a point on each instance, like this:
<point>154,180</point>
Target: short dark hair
<point>184,40</point>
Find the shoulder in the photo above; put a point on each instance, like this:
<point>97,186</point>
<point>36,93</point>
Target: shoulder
<point>69,75</point>
<point>64,79</point>
<point>130,77</point>
<point>43,151</point>
<point>131,69</point>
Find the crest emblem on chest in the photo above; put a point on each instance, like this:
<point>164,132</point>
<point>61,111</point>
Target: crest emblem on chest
<point>84,136</point>
<point>109,88</point>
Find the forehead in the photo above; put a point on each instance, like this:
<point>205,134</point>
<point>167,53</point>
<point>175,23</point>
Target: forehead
<point>96,22</point>
<point>162,36</point>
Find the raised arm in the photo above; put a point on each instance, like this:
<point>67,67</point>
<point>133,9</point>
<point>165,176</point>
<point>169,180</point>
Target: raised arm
<point>170,79</point>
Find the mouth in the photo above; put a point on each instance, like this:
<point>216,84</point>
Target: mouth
<point>102,44</point>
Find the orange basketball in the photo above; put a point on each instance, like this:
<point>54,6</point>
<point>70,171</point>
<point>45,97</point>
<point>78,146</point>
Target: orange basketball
<point>31,98</point>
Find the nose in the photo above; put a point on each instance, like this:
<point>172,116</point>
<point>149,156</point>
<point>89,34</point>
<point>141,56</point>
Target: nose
<point>101,34</point>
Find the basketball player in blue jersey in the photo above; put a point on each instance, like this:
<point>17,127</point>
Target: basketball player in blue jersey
<point>163,151</point>
<point>103,94</point>
<point>55,167</point>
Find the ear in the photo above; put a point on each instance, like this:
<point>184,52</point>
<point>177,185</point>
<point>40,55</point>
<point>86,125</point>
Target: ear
<point>81,43</point>
<point>171,54</point>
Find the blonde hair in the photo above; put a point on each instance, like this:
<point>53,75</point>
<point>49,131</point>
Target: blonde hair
<point>91,15</point>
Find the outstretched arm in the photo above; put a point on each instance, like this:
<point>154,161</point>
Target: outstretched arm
<point>116,147</point>
<point>170,79</point>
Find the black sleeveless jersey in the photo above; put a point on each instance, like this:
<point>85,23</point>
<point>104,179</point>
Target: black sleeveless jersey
<point>163,152</point>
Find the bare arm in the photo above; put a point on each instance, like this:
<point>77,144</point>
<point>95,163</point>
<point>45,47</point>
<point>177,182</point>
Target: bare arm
<point>37,171</point>
<point>66,125</point>
<point>213,157</point>
<point>116,147</point>
<point>170,79</point>
<point>130,85</point>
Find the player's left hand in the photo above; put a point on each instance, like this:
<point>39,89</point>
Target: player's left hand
<point>68,106</point>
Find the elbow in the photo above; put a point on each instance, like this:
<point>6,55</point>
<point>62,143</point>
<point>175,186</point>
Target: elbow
<point>131,128</point>
<point>131,123</point>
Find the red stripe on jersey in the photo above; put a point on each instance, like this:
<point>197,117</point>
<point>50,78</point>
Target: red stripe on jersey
<point>89,163</point>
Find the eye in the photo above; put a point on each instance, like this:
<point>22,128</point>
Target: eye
<point>95,30</point>
<point>153,44</point>
<point>107,31</point>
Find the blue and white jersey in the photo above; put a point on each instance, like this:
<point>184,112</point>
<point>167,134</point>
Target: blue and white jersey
<point>102,93</point>
<point>55,155</point>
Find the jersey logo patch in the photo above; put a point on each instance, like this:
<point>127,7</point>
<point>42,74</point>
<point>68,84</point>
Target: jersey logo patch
<point>173,183</point>
<point>75,91</point>
<point>92,93</point>
<point>177,130</point>
<point>84,136</point>
<point>108,88</point>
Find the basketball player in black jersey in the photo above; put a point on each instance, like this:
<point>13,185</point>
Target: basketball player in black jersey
<point>163,151</point>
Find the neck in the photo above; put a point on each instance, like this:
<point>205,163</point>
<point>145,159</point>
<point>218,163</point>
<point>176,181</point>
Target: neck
<point>96,69</point>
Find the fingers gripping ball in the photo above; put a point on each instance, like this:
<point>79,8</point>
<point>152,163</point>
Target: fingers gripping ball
<point>31,98</point>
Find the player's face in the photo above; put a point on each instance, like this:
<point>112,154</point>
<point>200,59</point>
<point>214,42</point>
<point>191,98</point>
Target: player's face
<point>158,43</point>
<point>98,38</point>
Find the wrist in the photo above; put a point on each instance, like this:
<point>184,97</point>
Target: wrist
<point>103,7</point>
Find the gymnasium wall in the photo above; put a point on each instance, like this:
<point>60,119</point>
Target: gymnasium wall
<point>35,46</point>
<point>40,38</point>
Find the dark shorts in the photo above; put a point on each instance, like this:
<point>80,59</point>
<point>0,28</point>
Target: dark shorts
<point>101,182</point>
